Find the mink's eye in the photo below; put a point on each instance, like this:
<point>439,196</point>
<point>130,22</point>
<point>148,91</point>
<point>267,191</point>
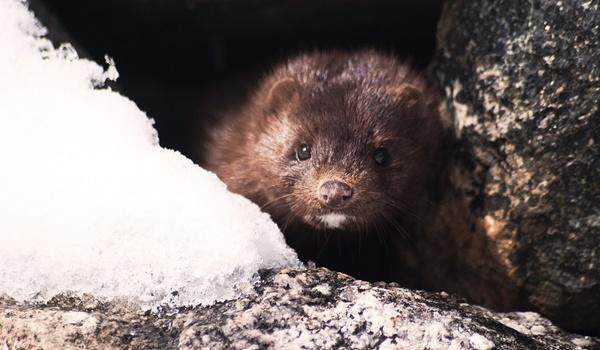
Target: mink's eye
<point>381,156</point>
<point>303,152</point>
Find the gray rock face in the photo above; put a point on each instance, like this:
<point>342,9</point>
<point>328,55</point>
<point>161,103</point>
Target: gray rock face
<point>293,309</point>
<point>522,84</point>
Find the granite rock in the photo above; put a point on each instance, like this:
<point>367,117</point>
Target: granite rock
<point>521,82</point>
<point>314,308</point>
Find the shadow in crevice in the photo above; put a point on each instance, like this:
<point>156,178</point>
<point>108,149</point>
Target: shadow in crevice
<point>174,55</point>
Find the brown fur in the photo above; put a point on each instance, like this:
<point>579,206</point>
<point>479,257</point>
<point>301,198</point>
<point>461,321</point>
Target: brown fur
<point>345,106</point>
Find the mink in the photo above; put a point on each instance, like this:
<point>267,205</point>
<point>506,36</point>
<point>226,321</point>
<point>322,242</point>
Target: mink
<point>340,149</point>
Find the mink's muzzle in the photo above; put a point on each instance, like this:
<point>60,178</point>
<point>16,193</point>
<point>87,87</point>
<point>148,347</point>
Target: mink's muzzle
<point>335,194</point>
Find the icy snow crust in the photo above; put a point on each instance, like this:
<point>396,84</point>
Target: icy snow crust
<point>90,203</point>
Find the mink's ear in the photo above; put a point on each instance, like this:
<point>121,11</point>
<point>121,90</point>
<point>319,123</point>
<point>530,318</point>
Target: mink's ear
<point>413,105</point>
<point>282,92</point>
<point>407,95</point>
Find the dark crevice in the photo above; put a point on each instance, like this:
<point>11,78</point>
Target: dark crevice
<point>176,58</point>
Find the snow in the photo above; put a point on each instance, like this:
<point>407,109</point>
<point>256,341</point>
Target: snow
<point>89,201</point>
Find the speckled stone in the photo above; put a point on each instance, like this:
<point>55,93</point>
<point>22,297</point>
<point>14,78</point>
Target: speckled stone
<point>522,85</point>
<point>312,309</point>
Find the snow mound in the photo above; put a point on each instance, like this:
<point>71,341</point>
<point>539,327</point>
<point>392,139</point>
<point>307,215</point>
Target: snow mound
<point>90,203</point>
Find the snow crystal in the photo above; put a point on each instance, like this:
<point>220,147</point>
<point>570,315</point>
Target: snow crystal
<point>90,203</point>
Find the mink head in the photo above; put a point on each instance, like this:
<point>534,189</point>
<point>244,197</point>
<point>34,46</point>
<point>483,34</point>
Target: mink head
<point>344,142</point>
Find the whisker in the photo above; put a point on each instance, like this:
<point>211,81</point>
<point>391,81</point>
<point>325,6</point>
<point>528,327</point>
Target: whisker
<point>273,201</point>
<point>324,245</point>
<point>396,225</point>
<point>365,230</point>
<point>404,208</point>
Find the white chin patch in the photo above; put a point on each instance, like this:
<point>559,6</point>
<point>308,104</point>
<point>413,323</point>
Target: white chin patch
<point>332,220</point>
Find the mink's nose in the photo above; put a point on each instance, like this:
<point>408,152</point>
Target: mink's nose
<point>335,194</point>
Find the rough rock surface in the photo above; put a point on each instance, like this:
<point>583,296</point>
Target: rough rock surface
<point>313,309</point>
<point>522,82</point>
